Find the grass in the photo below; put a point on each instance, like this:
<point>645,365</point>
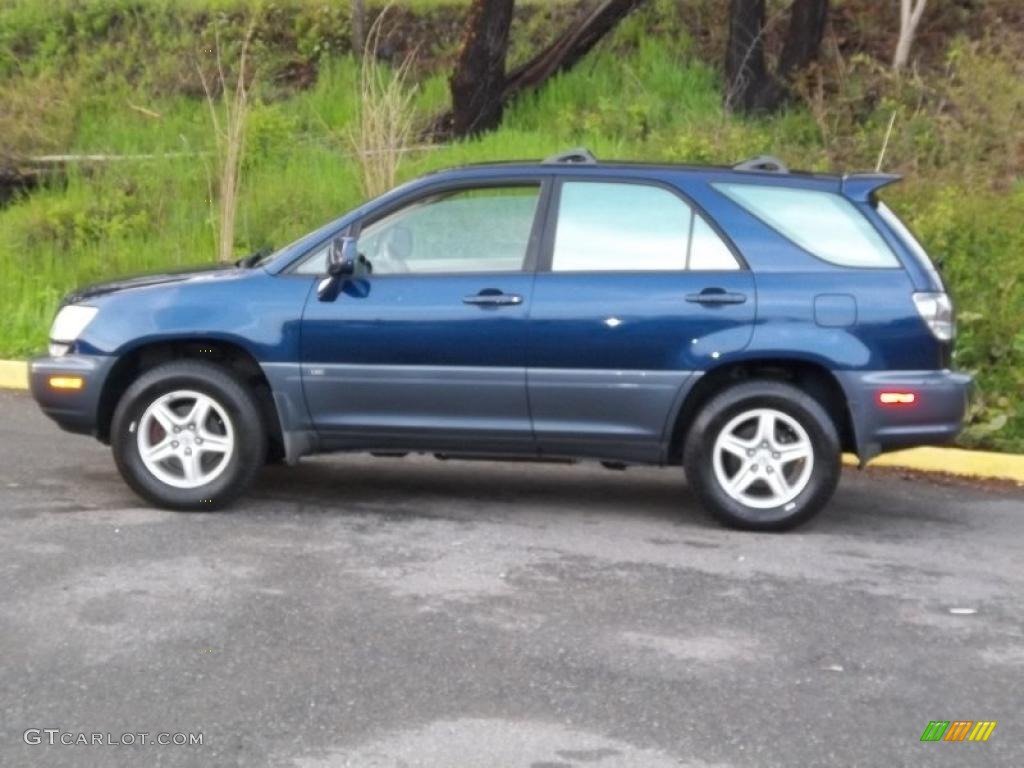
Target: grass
<point>640,95</point>
<point>136,216</point>
<point>22,12</point>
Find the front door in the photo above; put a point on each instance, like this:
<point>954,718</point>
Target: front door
<point>636,293</point>
<point>429,351</point>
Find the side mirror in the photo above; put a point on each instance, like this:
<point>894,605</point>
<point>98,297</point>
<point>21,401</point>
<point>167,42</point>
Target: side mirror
<point>344,262</point>
<point>343,257</point>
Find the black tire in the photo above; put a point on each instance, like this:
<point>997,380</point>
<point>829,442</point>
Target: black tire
<point>238,403</point>
<point>716,415</point>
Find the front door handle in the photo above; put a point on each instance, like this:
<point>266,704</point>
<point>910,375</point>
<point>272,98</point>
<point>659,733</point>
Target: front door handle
<point>716,296</point>
<point>485,299</point>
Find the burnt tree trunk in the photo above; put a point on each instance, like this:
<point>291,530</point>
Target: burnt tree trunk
<point>479,95</point>
<point>479,77</point>
<point>572,45</point>
<point>749,85</point>
<point>803,38</point>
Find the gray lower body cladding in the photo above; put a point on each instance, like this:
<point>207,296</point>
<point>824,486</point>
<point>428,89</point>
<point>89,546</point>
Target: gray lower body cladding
<point>595,413</point>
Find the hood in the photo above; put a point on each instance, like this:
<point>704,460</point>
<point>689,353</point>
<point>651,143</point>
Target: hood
<point>214,272</point>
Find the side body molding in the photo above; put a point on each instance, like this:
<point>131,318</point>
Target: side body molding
<point>606,414</point>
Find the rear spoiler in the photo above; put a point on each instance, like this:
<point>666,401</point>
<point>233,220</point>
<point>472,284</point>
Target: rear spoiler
<point>861,187</point>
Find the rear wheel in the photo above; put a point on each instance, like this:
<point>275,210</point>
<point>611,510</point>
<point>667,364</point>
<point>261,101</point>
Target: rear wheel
<point>188,435</point>
<point>763,455</point>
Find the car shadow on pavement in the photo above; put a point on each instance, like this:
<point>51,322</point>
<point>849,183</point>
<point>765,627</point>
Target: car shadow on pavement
<point>866,504</point>
<point>429,488</point>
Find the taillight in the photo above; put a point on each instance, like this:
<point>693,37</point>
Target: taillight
<point>936,310</point>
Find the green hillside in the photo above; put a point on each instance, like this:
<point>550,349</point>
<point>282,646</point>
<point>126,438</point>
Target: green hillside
<point>119,77</point>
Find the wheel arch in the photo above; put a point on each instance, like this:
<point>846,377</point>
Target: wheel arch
<point>228,354</point>
<point>812,377</point>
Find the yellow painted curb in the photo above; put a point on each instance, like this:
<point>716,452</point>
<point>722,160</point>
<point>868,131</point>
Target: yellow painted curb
<point>13,374</point>
<point>955,461</point>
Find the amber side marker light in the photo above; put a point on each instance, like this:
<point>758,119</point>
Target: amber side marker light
<point>897,398</point>
<point>66,382</point>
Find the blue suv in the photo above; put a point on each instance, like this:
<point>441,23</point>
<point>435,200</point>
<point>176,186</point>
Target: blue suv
<point>747,323</point>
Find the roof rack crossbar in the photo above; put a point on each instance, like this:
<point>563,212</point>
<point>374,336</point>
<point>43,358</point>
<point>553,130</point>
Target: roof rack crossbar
<point>768,163</point>
<point>578,156</point>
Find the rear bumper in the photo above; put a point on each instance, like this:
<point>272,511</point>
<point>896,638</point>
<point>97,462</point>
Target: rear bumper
<point>936,416</point>
<point>74,410</point>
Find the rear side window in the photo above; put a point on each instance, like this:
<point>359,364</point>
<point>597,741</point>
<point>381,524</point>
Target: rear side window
<point>626,227</point>
<point>827,225</point>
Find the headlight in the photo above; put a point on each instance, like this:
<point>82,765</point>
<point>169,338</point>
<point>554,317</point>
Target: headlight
<point>70,322</point>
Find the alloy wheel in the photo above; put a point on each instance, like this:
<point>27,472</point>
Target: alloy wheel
<point>185,439</point>
<point>763,458</point>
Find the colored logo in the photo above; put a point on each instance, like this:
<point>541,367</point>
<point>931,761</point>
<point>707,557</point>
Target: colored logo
<point>958,730</point>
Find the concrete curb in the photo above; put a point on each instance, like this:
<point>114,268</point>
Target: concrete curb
<point>954,461</point>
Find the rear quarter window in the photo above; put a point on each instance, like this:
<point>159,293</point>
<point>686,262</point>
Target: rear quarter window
<point>910,242</point>
<point>825,224</point>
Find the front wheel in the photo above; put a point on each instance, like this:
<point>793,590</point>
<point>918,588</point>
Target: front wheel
<point>763,455</point>
<point>188,435</point>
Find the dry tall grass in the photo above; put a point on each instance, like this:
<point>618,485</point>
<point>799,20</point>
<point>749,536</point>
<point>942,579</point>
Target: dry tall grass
<point>229,134</point>
<point>384,127</point>
<point>37,116</point>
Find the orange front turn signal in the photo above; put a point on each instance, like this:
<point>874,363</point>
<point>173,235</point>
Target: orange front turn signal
<point>897,398</point>
<point>66,382</point>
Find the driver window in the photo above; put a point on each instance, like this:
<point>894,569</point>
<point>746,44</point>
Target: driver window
<point>476,230</point>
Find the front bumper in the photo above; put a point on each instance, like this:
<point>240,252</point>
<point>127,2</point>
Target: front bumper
<point>935,417</point>
<point>74,410</point>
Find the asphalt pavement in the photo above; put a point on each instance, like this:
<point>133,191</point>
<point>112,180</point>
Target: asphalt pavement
<point>413,612</point>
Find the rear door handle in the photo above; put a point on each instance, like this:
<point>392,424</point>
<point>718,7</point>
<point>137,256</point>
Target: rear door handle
<point>716,296</point>
<point>493,299</point>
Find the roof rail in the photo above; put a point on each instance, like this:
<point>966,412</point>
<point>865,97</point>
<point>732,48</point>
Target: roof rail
<point>578,156</point>
<point>768,163</point>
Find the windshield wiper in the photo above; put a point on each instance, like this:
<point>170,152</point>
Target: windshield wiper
<point>250,261</point>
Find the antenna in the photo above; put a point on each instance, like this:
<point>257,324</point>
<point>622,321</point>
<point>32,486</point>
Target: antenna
<point>885,143</point>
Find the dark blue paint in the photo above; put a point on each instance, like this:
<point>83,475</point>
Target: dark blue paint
<point>637,321</point>
<point>835,310</point>
<point>607,358</point>
<point>418,321</point>
<point>248,308</point>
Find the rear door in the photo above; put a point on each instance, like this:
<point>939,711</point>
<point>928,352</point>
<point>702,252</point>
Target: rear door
<point>637,290</point>
<point>429,351</point>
